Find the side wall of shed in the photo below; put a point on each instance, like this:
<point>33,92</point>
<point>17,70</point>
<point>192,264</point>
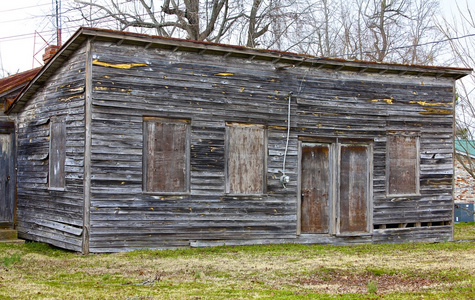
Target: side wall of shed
<point>131,82</point>
<point>53,215</point>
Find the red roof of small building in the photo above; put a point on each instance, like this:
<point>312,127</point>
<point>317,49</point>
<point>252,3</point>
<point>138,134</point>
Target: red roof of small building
<point>13,81</point>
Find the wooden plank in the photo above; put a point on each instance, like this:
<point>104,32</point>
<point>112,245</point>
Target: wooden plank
<point>60,227</point>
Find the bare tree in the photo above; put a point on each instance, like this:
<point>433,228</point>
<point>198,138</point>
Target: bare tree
<point>378,30</point>
<point>210,20</point>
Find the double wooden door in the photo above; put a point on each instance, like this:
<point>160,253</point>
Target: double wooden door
<point>335,187</point>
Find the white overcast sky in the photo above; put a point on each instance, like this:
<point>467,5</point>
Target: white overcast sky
<point>19,20</point>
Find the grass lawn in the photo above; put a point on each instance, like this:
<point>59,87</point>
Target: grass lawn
<point>388,271</point>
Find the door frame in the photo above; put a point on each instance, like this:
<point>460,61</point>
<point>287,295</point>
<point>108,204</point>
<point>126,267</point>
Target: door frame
<point>8,127</point>
<point>334,214</point>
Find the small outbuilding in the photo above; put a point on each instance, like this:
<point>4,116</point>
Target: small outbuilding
<point>128,141</point>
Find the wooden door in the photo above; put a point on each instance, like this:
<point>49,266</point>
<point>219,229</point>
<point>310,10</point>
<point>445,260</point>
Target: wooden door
<point>354,175</point>
<point>6,179</point>
<point>315,188</point>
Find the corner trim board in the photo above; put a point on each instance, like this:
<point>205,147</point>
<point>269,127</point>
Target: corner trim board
<point>87,149</point>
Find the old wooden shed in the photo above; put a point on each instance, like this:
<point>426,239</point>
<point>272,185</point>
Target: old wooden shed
<point>129,141</point>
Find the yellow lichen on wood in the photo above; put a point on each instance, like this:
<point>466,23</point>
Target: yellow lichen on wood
<point>435,111</point>
<point>224,74</point>
<point>118,66</point>
<point>278,127</point>
<point>104,88</point>
<point>70,98</point>
<point>387,100</point>
<point>425,103</point>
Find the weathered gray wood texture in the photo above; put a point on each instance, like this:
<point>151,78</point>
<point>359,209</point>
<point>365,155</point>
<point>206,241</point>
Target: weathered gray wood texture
<point>316,191</point>
<point>130,83</point>
<point>212,90</point>
<point>53,215</point>
<point>354,188</point>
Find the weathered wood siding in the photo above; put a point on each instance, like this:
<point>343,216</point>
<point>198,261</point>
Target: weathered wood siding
<point>53,215</point>
<point>131,82</point>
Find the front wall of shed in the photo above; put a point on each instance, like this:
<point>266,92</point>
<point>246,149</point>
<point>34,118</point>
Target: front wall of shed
<point>44,214</point>
<point>130,83</point>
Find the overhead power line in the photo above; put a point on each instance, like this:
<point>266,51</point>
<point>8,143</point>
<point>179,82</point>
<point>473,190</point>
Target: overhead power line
<point>436,42</point>
<point>19,20</point>
<point>22,8</point>
<point>415,45</point>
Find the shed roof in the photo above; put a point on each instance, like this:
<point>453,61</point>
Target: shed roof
<point>279,59</point>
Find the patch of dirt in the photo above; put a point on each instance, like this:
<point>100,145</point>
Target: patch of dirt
<point>339,281</point>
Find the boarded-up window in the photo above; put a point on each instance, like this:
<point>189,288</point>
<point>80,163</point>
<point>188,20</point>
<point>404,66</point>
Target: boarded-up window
<point>57,153</point>
<point>245,168</point>
<point>403,164</point>
<point>166,155</point>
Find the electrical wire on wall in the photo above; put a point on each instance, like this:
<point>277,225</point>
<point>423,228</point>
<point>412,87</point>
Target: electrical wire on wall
<point>284,179</point>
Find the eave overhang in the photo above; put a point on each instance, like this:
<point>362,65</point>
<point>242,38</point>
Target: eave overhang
<point>280,60</point>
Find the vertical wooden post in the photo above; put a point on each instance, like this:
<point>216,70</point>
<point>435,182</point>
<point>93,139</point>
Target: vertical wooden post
<point>454,134</point>
<point>87,149</point>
